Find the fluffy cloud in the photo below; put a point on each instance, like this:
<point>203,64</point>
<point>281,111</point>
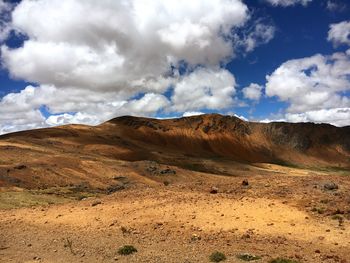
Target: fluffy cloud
<point>288,2</point>
<point>192,113</point>
<point>260,34</point>
<point>66,118</point>
<point>5,8</point>
<point>335,116</point>
<point>241,117</point>
<point>93,59</point>
<point>20,111</point>
<point>17,113</point>
<point>111,44</point>
<point>339,33</point>
<point>252,92</point>
<point>336,6</point>
<point>312,83</point>
<point>203,88</point>
<point>315,87</point>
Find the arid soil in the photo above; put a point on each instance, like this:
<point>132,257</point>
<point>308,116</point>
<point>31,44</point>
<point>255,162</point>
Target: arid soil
<point>78,194</point>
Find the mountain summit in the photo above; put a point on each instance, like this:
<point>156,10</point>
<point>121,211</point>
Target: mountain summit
<point>68,153</point>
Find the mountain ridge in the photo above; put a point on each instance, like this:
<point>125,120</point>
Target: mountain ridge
<point>64,154</point>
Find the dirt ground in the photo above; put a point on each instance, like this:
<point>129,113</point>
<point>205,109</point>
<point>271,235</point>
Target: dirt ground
<point>282,212</point>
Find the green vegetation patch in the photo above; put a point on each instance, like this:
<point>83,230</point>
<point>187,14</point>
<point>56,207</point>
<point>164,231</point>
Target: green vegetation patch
<point>53,195</point>
<point>12,199</point>
<point>127,250</point>
<point>217,257</point>
<point>71,192</point>
<point>319,210</point>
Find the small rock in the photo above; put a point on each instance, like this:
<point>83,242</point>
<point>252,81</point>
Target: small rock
<point>245,236</point>
<point>114,188</point>
<point>20,167</point>
<point>120,178</point>
<point>245,182</point>
<point>317,251</point>
<point>95,203</point>
<point>112,224</point>
<point>195,237</point>
<point>167,171</point>
<point>330,186</point>
<point>214,190</point>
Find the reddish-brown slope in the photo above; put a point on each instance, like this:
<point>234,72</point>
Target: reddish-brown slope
<point>77,153</point>
<point>225,136</point>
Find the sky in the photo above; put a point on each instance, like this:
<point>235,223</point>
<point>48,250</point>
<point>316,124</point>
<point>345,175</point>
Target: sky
<point>86,61</point>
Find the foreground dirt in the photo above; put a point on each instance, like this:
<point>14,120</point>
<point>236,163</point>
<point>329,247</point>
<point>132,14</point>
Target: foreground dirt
<point>78,193</point>
<point>283,212</point>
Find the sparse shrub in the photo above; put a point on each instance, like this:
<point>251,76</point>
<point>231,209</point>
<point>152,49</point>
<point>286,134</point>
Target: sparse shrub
<point>124,230</point>
<point>245,182</point>
<point>195,237</point>
<point>95,203</point>
<point>127,250</point>
<point>330,186</point>
<point>69,243</point>
<point>337,217</point>
<point>248,257</point>
<point>319,210</point>
<point>282,260</point>
<point>217,257</point>
<point>81,197</point>
<point>166,183</point>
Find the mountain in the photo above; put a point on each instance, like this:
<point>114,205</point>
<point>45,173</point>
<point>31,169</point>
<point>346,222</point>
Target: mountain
<point>77,153</point>
<point>176,190</point>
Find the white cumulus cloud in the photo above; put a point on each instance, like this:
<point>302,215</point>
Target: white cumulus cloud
<point>335,116</point>
<point>288,2</point>
<point>339,33</point>
<point>253,91</point>
<point>192,113</point>
<point>260,34</point>
<point>336,6</point>
<point>91,60</point>
<point>5,8</point>
<point>203,88</point>
<point>17,112</point>
<point>315,87</point>
<point>312,83</point>
<point>108,44</point>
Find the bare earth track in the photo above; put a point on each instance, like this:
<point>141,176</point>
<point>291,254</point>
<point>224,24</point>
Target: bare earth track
<point>77,193</point>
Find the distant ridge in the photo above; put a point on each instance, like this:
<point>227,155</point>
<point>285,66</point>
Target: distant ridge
<point>55,155</point>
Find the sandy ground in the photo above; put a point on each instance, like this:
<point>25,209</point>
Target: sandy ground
<point>277,215</point>
<point>151,183</point>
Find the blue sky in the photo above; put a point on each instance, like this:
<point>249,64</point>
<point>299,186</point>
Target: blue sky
<point>213,62</point>
<point>301,32</point>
